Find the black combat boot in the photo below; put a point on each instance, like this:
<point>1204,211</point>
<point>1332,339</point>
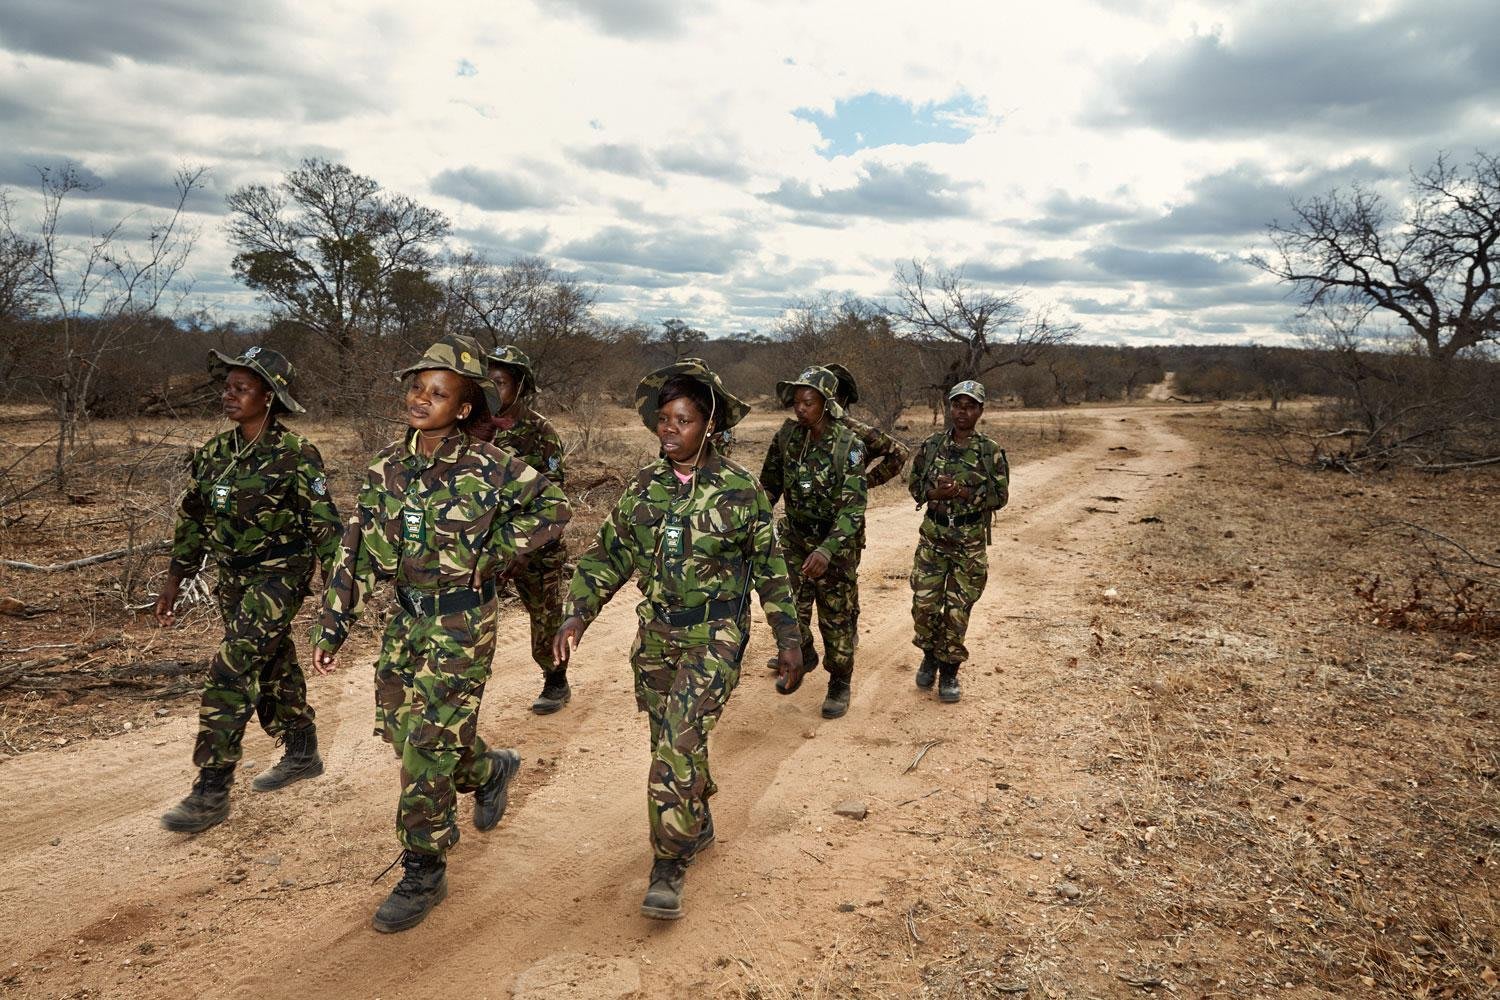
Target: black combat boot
<point>927,672</point>
<point>948,689</point>
<point>489,801</point>
<point>206,806</point>
<point>555,692</point>
<point>837,702</point>
<point>423,886</point>
<point>300,761</point>
<point>664,896</point>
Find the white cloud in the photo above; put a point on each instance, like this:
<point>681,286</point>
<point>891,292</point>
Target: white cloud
<point>654,145</point>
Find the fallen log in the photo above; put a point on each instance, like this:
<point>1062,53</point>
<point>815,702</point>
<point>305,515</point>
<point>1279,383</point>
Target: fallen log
<point>150,548</point>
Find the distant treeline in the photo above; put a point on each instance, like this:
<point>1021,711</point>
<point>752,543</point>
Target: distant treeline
<point>161,369</point>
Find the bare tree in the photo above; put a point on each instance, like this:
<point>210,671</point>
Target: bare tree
<point>531,304</point>
<point>105,292</point>
<point>334,253</point>
<point>939,306</point>
<point>1432,263</point>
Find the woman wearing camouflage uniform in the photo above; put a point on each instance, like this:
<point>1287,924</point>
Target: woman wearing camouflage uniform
<point>258,507</point>
<point>816,462</point>
<point>887,454</point>
<point>440,514</point>
<point>696,531</point>
<point>539,577</point>
<point>963,478</point>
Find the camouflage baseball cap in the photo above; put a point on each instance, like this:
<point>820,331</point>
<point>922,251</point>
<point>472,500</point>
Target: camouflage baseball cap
<point>821,379</point>
<point>968,387</point>
<point>272,368</point>
<point>511,356</point>
<point>848,388</point>
<point>729,410</point>
<point>457,353</point>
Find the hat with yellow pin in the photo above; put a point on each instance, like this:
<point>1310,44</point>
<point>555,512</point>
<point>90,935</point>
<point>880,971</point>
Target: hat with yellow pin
<point>457,353</point>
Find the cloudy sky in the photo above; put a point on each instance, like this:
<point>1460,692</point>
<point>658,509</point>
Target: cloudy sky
<point>716,161</point>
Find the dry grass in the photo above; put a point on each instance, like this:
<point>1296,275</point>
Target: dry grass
<point>1278,793</point>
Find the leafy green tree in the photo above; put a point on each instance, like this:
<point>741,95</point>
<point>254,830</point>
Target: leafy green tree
<point>335,254</point>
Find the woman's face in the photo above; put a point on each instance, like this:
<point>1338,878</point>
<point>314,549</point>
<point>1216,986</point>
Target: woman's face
<point>808,406</point>
<point>508,383</point>
<point>436,401</point>
<point>681,429</point>
<point>246,398</point>
<point>965,411</point>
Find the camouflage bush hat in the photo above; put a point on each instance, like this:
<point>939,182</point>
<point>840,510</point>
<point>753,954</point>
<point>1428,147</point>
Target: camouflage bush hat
<point>848,388</point>
<point>457,353</point>
<point>825,382</point>
<point>968,387</point>
<point>728,410</point>
<point>511,356</point>
<point>274,369</point>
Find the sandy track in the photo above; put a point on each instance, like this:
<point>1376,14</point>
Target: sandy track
<point>279,896</point>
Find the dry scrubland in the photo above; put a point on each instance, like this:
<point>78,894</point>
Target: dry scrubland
<point>125,493</point>
<point>1198,756</point>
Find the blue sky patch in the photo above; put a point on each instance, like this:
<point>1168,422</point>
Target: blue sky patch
<point>872,119</point>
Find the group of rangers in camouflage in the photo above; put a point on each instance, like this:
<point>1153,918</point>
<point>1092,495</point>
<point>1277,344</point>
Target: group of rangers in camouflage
<point>470,500</point>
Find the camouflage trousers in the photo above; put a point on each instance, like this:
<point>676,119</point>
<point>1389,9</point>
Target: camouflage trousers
<point>429,680</point>
<point>540,587</point>
<point>948,574</point>
<point>836,595</point>
<point>683,679</point>
<point>255,669</point>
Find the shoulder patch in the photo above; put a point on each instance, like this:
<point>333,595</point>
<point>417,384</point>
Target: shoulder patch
<point>856,456</point>
<point>554,463</point>
<point>320,486</point>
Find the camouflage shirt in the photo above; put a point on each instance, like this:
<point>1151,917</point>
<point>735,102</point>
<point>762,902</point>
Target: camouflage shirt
<point>251,499</point>
<point>879,444</point>
<point>941,455</point>
<point>438,523</point>
<point>535,440</point>
<point>688,544</point>
<point>823,481</point>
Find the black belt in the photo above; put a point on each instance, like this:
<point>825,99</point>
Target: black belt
<point>961,521</point>
<point>241,563</point>
<point>435,604</point>
<point>809,529</point>
<point>713,611</point>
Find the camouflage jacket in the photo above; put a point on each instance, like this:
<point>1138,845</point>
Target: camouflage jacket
<point>823,481</point>
<point>879,444</point>
<point>978,464</point>
<point>438,523</point>
<point>536,441</point>
<point>688,544</point>
<point>246,500</point>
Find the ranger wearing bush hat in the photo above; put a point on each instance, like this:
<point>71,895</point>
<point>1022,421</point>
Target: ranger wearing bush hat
<point>818,464</point>
<point>440,514</point>
<point>695,530</point>
<point>258,507</point>
<point>962,477</point>
<point>888,454</point>
<point>539,580</point>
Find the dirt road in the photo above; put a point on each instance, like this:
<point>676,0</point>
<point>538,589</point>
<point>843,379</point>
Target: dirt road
<point>100,899</point>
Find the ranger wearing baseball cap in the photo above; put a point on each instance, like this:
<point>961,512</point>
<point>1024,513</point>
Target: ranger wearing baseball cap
<point>962,478</point>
